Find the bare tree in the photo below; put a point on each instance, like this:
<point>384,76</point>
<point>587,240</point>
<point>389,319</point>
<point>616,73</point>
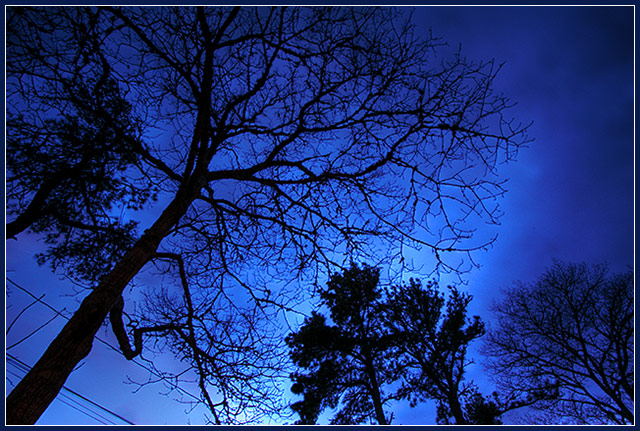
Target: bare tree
<point>573,330</point>
<point>277,138</point>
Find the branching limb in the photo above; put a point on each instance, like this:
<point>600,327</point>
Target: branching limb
<point>115,317</point>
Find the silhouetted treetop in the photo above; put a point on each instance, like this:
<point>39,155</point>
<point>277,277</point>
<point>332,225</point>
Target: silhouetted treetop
<point>384,344</point>
<point>433,333</point>
<point>347,358</point>
<point>571,330</point>
<point>352,295</point>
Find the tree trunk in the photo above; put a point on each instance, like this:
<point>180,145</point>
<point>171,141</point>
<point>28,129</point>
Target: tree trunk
<point>456,409</point>
<point>31,397</point>
<point>375,394</point>
<point>33,210</point>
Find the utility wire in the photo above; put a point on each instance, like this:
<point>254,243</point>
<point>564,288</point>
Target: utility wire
<point>138,363</point>
<point>69,400</point>
<point>25,368</point>
<point>66,399</point>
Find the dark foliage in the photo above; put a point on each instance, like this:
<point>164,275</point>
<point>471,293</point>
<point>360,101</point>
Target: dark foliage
<point>72,141</point>
<point>349,361</point>
<point>433,336</point>
<point>410,334</point>
<point>481,410</point>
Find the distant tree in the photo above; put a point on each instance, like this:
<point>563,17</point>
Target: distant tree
<point>432,337</point>
<point>408,334</point>
<point>482,410</point>
<point>275,137</point>
<point>350,360</point>
<point>571,330</point>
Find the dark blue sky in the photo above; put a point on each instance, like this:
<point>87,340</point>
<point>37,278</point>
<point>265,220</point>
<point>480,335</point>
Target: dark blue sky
<point>570,69</point>
<point>570,193</point>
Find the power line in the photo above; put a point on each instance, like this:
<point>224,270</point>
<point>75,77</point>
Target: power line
<point>12,360</point>
<point>69,400</point>
<point>138,363</point>
<point>65,399</point>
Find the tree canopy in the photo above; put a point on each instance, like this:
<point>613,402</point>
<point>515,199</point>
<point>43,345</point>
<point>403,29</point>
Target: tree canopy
<point>386,344</point>
<point>349,361</point>
<point>278,141</point>
<point>72,140</point>
<point>433,336</point>
<point>572,330</point>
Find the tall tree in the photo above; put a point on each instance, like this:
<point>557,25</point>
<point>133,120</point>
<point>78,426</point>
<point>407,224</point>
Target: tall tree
<point>408,334</point>
<point>571,329</point>
<point>349,361</point>
<point>276,137</point>
<point>432,337</point>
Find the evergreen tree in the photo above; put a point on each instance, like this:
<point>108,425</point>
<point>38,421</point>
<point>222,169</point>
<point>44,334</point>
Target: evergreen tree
<point>433,335</point>
<point>347,361</point>
<point>409,334</point>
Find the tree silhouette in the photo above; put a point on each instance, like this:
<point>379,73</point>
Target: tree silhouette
<point>276,138</point>
<point>572,329</point>
<point>350,361</point>
<point>377,339</point>
<point>432,337</point>
<point>71,138</point>
<point>482,410</point>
